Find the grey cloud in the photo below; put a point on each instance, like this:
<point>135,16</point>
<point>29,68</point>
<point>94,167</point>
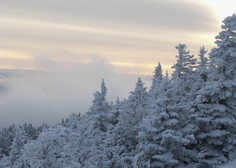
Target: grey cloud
<point>167,22</point>
<point>171,14</point>
<point>68,38</point>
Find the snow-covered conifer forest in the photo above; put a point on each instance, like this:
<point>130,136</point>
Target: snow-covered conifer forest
<point>185,120</point>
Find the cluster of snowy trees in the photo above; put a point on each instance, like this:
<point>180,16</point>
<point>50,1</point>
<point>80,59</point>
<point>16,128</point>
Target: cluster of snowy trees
<point>7,135</point>
<point>187,119</point>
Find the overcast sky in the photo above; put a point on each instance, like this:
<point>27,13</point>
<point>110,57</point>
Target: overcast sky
<point>78,42</point>
<point>132,35</point>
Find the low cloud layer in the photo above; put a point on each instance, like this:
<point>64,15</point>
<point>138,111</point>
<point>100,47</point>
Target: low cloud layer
<point>46,96</point>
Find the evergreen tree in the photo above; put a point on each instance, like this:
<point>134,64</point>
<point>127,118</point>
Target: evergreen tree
<point>161,144</point>
<point>214,114</point>
<point>202,70</point>
<point>53,148</point>
<point>156,80</point>
<point>124,139</point>
<point>203,63</point>
<point>19,141</point>
<point>136,104</point>
<point>115,112</point>
<point>31,132</point>
<point>103,90</point>
<point>183,76</point>
<point>164,90</point>
<point>185,62</point>
<point>99,103</point>
<point>73,120</point>
<point>6,138</point>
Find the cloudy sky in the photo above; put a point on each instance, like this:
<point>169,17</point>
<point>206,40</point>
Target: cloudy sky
<point>76,43</point>
<point>131,35</point>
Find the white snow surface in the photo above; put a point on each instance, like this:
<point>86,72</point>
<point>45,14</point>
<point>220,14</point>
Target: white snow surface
<point>231,164</point>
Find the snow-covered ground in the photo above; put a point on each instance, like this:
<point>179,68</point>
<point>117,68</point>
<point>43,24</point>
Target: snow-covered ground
<point>231,164</point>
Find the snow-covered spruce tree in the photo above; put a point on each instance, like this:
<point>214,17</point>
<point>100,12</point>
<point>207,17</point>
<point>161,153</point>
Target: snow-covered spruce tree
<point>213,120</point>
<point>31,132</point>
<point>184,84</point>
<point>6,138</point>
<point>200,74</point>
<point>224,58</point>
<point>53,149</point>
<point>92,149</point>
<point>124,139</point>
<point>100,108</point>
<point>72,121</point>
<point>99,103</point>
<point>164,88</point>
<point>18,143</point>
<point>161,144</point>
<point>183,76</point>
<point>138,97</point>
<point>156,80</point>
<point>92,133</point>
<point>115,111</point>
<point>203,64</point>
<point>135,105</point>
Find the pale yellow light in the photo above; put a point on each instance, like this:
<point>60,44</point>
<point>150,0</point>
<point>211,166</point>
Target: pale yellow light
<point>14,54</point>
<point>128,64</point>
<point>223,8</point>
<point>141,68</point>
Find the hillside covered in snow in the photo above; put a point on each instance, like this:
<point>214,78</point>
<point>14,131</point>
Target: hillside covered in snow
<point>185,120</point>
